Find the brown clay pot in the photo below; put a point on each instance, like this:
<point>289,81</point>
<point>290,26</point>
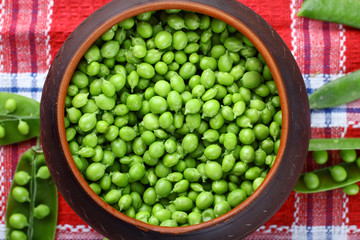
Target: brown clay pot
<point>242,220</point>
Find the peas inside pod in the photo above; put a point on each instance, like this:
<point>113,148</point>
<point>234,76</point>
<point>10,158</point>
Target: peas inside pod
<point>32,206</point>
<point>173,117</point>
<point>343,176</point>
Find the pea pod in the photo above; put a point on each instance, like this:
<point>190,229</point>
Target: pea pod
<point>340,91</point>
<point>344,11</point>
<point>327,182</point>
<point>334,144</point>
<point>40,208</point>
<point>22,122</point>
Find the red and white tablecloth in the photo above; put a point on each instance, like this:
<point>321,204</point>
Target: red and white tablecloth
<point>32,31</point>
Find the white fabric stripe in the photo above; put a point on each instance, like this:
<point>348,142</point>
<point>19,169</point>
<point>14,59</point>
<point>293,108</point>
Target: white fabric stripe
<point>319,232</point>
<point>25,81</point>
<point>47,30</point>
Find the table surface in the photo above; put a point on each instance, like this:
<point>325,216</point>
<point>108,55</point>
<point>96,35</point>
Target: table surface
<point>31,32</point>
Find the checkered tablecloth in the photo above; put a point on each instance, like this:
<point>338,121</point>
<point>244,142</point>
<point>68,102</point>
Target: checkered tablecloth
<point>32,31</point>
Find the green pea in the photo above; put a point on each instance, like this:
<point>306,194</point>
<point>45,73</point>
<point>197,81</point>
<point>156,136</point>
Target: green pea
<point>183,203</point>
<point>210,93</point>
<point>23,128</point>
<point>163,187</point>
<point>181,186</point>
<point>212,152</point>
<point>230,141</point>
<point>145,70</point>
<point>162,215</point>
<point>169,223</point>
<point>43,172</point>
<point>228,163</point>
<point>257,182</point>
<point>18,221</point>
<point>177,83</point>
<point>174,101</point>
<point>213,170</point>
<point>190,143</point>
<point>239,168</point>
<point>41,211</point>
<point>2,132</point>
<point>175,21</point>
<point>118,147</point>
<point>163,40</point>
<point>351,190</point>
<point>219,186</point>
<point>22,178</point>
<point>10,105</point>
<point>136,172</point>
<point>204,200</point>
<point>211,108</point>
<point>151,121</point>
<point>21,194</point>
<point>338,173</point>
<point>194,218</point>
<point>233,44</point>
<point>192,174</point>
<point>18,235</point>
<point>236,197</point>
<point>221,208</point>
<point>208,214</point>
<point>348,155</point>
<point>207,77</point>
<point>311,180</point>
<point>252,173</point>
<point>217,26</point>
<point>110,49</point>
<point>92,54</point>
<point>247,154</point>
<point>158,105</point>
<point>211,135</point>
<point>320,157</point>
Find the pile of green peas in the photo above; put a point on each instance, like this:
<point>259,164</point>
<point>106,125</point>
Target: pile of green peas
<point>173,117</point>
<point>337,172</point>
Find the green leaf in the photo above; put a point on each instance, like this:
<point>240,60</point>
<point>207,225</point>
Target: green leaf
<point>27,110</point>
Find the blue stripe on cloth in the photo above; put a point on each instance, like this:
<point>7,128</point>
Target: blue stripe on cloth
<point>21,89</point>
<point>336,110</point>
<point>33,54</point>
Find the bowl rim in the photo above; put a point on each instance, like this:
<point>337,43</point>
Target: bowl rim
<point>198,7</point>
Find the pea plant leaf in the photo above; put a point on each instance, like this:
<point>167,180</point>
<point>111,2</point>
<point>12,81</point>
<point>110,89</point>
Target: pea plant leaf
<point>27,110</point>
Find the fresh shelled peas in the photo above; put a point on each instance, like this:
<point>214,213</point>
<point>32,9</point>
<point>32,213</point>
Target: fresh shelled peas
<point>32,206</point>
<point>19,118</point>
<point>173,117</point>
<point>344,175</point>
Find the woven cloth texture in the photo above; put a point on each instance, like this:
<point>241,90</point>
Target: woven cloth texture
<point>32,31</point>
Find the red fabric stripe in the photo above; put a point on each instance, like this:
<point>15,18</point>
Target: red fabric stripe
<point>352,52</point>
<point>32,42</point>
<point>67,15</point>
<point>12,34</point>
<point>272,12</point>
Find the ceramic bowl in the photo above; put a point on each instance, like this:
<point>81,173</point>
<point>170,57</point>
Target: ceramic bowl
<point>242,220</point>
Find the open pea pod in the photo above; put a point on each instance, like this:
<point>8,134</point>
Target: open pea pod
<point>26,110</point>
<point>326,180</point>
<point>33,215</point>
